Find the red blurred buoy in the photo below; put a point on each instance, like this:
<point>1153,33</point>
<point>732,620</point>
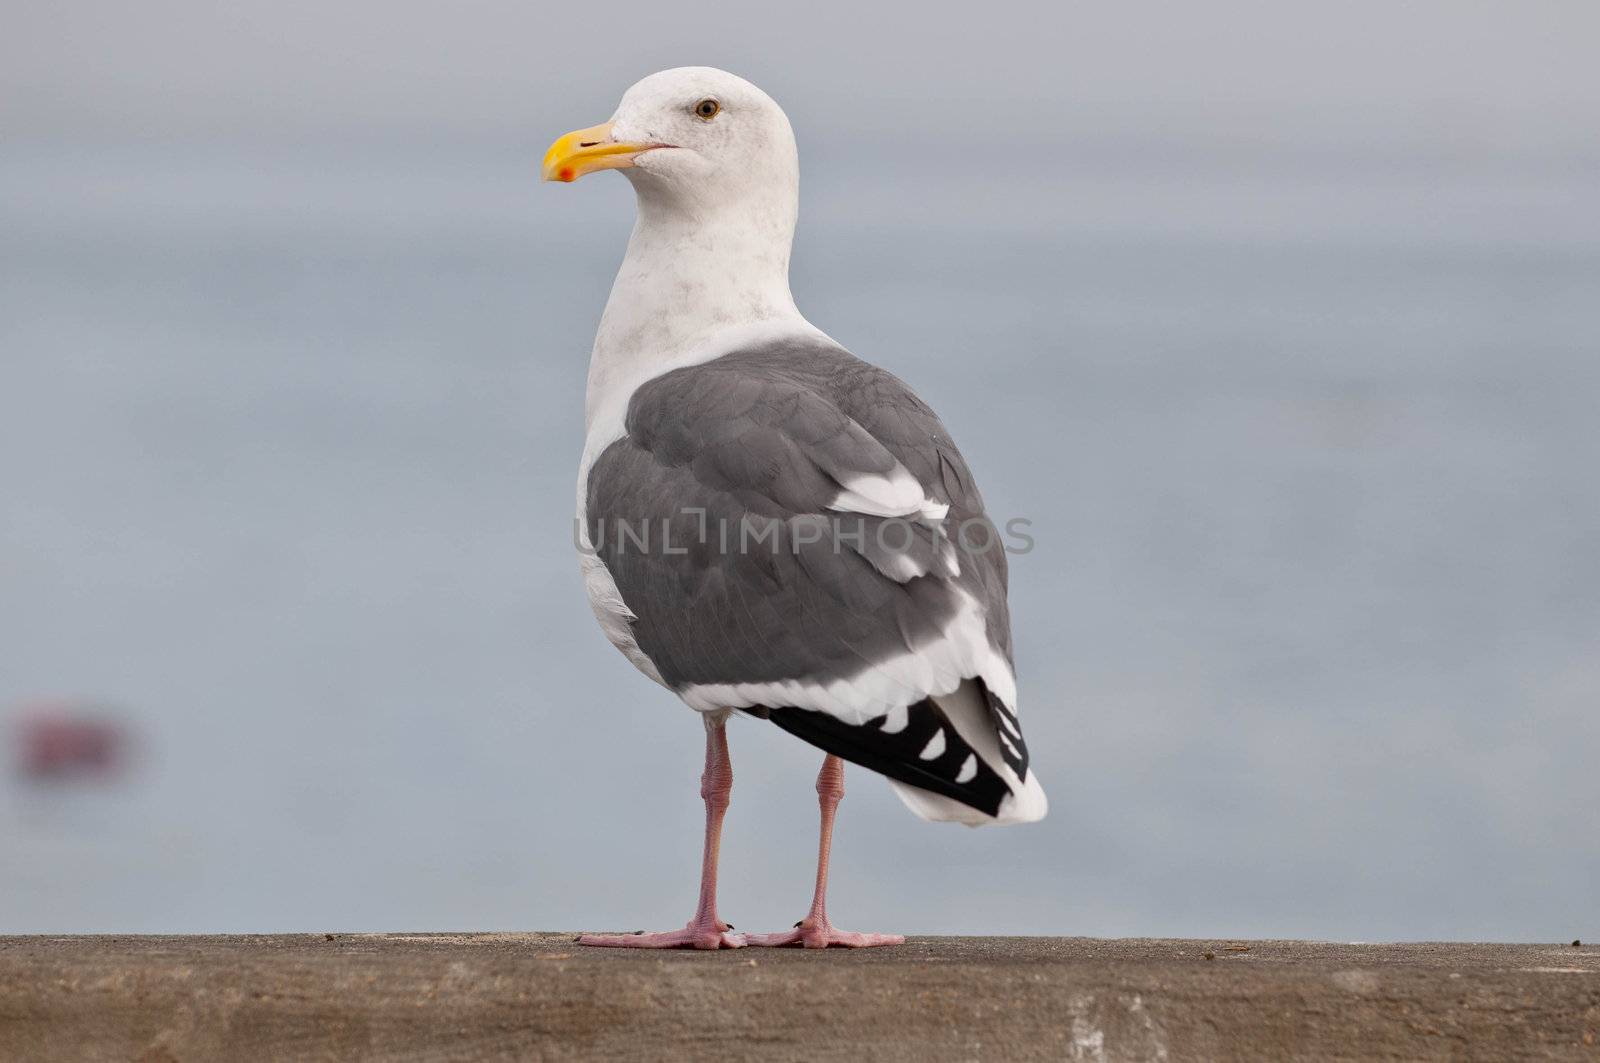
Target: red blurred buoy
<point>66,742</point>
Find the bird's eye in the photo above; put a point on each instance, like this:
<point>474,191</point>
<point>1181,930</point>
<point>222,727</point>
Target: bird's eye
<point>707,109</point>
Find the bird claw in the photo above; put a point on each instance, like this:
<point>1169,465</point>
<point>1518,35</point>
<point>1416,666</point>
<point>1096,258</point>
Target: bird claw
<point>690,937</point>
<point>810,935</point>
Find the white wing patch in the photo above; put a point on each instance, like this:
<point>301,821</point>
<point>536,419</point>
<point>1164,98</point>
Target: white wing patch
<point>895,495</point>
<point>898,496</point>
<point>961,652</point>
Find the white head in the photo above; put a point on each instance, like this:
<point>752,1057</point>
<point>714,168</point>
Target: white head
<point>694,139</point>
<point>713,161</point>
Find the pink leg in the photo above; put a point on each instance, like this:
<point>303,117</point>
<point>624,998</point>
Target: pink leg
<point>705,930</point>
<point>814,931</point>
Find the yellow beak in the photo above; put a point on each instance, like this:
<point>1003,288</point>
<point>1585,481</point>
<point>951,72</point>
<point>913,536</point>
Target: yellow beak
<point>587,150</point>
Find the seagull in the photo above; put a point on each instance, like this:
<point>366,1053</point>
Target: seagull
<point>767,524</point>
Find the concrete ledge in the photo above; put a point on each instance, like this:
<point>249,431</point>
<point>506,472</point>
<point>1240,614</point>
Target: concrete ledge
<point>540,997</point>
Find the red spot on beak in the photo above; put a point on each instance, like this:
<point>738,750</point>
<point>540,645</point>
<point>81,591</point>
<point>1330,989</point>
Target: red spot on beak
<point>566,173</point>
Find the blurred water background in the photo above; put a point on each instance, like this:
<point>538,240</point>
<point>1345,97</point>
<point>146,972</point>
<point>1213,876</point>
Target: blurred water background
<point>1301,400</point>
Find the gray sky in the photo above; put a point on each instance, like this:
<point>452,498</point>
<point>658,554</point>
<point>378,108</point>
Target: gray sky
<point>1478,72</point>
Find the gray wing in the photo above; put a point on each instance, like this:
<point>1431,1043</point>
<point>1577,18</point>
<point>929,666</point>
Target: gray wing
<point>749,518</point>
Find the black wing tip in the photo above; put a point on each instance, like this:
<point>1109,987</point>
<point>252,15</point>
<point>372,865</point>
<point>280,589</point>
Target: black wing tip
<point>1013,750</point>
<point>898,755</point>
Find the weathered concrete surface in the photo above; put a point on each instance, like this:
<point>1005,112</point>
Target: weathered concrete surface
<point>541,997</point>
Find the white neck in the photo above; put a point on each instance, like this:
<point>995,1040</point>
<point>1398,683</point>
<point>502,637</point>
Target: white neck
<point>693,275</point>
